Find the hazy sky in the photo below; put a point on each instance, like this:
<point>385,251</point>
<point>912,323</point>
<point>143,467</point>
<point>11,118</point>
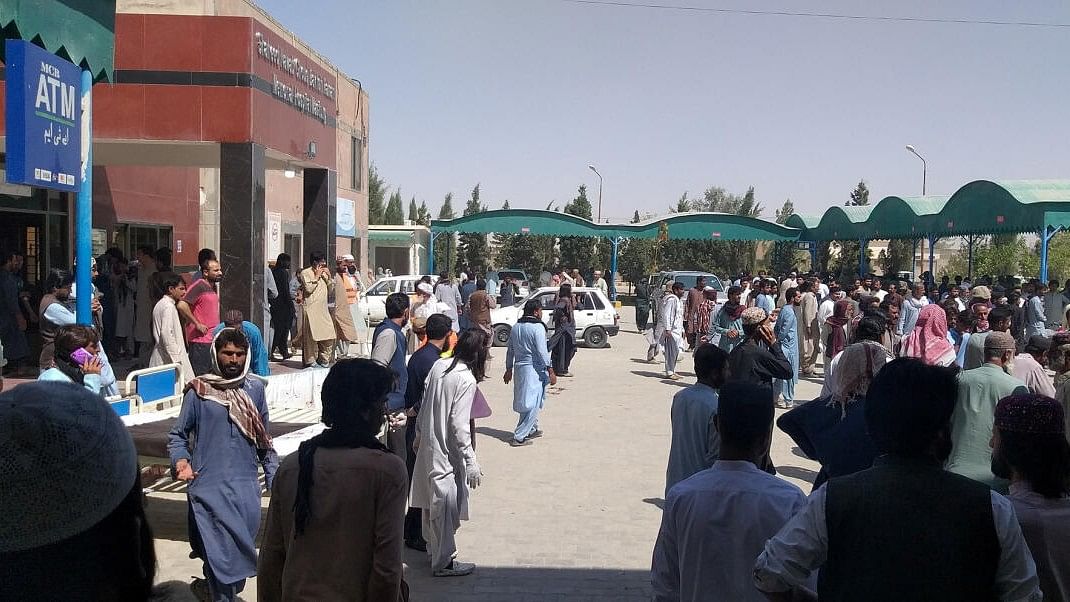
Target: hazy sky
<point>520,95</point>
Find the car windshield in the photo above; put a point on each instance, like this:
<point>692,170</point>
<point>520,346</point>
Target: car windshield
<point>382,287</point>
<point>515,275</point>
<point>688,280</point>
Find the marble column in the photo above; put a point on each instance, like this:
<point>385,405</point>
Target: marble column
<point>320,204</point>
<point>242,219</point>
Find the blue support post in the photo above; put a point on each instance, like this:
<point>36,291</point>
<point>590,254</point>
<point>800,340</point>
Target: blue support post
<point>932,256</point>
<point>613,269</point>
<point>1045,237</point>
<point>83,211</point>
<point>813,255</point>
<point>431,253</point>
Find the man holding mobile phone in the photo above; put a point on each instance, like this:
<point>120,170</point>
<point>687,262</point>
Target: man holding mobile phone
<point>76,358</point>
<point>317,327</point>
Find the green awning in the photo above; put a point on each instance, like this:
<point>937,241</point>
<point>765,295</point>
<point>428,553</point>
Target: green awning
<point>80,31</point>
<point>390,236</point>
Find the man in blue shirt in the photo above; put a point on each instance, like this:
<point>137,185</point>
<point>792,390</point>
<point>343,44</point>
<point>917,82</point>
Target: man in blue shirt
<point>528,355</point>
<point>695,444</point>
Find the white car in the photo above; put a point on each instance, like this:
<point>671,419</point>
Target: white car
<point>596,318</point>
<point>373,301</point>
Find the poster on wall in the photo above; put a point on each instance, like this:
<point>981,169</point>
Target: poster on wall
<point>346,219</point>
<point>274,235</point>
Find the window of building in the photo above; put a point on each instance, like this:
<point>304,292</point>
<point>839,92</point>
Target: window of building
<point>356,156</point>
<point>131,236</point>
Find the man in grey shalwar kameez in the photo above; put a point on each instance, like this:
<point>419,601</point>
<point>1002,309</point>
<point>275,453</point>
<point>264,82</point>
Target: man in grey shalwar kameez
<point>446,464</point>
<point>527,364</point>
<point>219,439</point>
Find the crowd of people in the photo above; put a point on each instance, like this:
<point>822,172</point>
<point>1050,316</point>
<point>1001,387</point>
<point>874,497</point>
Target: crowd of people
<point>939,432</point>
<point>944,462</point>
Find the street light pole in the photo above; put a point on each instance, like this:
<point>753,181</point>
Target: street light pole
<point>591,167</point>
<point>924,168</point>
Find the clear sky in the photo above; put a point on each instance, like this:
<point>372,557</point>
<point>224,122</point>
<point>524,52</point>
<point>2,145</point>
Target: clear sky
<point>520,95</point>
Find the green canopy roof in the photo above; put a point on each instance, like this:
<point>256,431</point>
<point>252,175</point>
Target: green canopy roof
<point>80,31</point>
<point>979,207</point>
<point>694,226</point>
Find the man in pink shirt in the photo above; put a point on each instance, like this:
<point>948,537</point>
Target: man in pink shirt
<point>200,310</point>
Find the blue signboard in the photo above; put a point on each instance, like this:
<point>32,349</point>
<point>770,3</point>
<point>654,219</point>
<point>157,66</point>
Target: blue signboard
<point>43,118</point>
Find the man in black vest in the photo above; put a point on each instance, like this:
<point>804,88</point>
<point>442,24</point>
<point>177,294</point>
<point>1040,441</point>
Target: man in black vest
<point>904,529</point>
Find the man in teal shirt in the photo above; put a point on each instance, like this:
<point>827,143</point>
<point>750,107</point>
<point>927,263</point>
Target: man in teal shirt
<point>979,390</point>
<point>258,355</point>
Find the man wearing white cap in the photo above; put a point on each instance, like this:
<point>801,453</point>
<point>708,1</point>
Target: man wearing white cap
<point>600,282</point>
<point>759,359</point>
<point>72,525</point>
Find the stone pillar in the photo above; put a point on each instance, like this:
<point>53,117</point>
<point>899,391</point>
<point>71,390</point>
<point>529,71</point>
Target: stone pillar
<point>320,204</point>
<point>242,218</point>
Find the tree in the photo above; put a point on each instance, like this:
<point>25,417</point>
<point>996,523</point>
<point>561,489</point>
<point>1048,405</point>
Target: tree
<point>682,205</point>
<point>423,215</point>
<point>376,194</point>
<point>472,247</point>
<point>531,253</point>
<point>445,251</point>
<point>782,256</point>
<point>578,251</point>
<point>898,258</point>
<point>413,211</point>
<point>393,215</point>
<point>850,250</point>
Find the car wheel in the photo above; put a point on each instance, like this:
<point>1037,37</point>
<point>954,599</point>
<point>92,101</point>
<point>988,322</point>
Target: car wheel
<point>595,337</point>
<point>501,335</point>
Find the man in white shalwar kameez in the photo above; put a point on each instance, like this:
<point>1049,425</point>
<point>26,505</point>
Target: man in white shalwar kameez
<point>446,462</point>
<point>670,329</point>
<point>527,365</point>
<point>170,346</point>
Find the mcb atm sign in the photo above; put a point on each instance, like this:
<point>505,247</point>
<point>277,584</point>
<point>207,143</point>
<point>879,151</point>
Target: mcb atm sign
<point>43,118</point>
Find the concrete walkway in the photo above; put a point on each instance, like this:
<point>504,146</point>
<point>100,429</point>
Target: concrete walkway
<point>573,516</point>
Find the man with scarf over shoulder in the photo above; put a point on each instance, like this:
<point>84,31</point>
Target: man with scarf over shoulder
<point>216,445</point>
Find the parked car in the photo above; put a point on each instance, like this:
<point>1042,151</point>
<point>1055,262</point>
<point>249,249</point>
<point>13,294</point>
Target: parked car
<point>596,318</point>
<point>518,276</point>
<point>659,281</point>
<point>373,301</point>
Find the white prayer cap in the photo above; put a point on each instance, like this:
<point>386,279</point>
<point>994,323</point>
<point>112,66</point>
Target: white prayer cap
<point>425,288</point>
<point>348,257</point>
<point>67,463</point>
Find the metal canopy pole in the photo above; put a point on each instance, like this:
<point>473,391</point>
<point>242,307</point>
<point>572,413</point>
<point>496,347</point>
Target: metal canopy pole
<point>613,268</point>
<point>1045,237</point>
<point>813,256</point>
<point>862,257</point>
<point>969,256</point>
<point>932,246</point>
<point>431,253</point>
<point>914,253</point>
<point>83,211</point>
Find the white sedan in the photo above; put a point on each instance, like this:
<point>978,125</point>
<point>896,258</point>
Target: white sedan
<point>596,318</point>
<point>373,302</point>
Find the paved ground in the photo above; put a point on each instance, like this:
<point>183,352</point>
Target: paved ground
<point>573,516</point>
